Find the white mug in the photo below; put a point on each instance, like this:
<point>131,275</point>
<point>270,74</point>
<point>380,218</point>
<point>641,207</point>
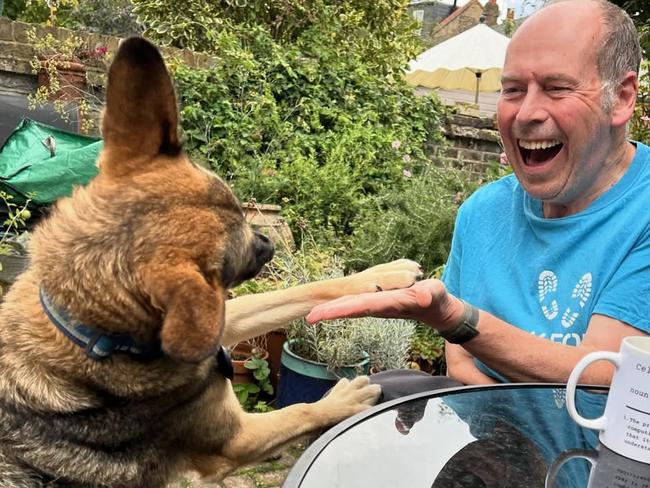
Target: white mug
<point>608,469</point>
<point>625,425</point>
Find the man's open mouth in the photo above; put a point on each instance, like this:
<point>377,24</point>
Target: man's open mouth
<point>536,153</point>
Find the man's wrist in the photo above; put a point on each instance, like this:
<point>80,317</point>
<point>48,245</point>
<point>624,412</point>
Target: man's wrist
<point>465,328</point>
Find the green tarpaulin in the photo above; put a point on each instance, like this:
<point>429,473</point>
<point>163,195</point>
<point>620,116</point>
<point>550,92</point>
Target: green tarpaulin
<point>46,162</point>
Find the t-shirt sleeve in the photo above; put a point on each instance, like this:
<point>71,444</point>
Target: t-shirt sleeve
<point>451,274</point>
<point>627,295</point>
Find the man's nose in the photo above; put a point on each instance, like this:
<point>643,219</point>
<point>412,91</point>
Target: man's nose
<point>532,109</point>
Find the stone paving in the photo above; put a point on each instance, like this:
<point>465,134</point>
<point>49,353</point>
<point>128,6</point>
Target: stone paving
<point>269,474</point>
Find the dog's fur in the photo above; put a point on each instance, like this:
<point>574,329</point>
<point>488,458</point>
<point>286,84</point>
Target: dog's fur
<point>149,249</point>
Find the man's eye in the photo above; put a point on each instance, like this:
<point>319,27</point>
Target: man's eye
<point>557,88</point>
<point>511,90</point>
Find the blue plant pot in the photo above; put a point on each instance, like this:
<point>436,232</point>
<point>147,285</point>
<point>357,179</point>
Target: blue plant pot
<point>305,381</point>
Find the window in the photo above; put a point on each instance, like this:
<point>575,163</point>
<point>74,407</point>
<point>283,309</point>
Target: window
<point>419,16</point>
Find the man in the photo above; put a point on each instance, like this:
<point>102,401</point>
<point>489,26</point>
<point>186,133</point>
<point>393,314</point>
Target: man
<point>557,260</point>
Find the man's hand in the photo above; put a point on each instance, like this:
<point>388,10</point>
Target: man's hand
<point>426,301</point>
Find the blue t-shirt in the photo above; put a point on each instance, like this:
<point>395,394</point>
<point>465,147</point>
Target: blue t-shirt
<point>548,276</point>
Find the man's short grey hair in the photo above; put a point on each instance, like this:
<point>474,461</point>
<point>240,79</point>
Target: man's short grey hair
<point>619,51</point>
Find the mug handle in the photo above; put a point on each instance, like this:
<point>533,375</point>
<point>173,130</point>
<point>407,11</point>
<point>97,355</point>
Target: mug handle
<point>554,469</point>
<point>599,423</point>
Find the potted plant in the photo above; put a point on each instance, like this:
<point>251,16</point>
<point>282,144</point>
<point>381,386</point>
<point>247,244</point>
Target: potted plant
<point>426,350</point>
<point>60,65</point>
<point>315,356</point>
<point>252,381</point>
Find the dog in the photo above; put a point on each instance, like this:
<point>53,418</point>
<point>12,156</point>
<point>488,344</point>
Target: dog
<point>112,366</point>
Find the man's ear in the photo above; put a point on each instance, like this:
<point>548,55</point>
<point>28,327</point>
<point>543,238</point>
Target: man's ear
<point>193,312</point>
<point>625,100</point>
<point>141,117</point>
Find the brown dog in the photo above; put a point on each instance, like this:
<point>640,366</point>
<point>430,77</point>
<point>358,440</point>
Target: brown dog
<point>111,371</point>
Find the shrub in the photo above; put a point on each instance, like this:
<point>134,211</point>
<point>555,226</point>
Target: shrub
<point>416,221</point>
<point>313,135</point>
<point>304,102</point>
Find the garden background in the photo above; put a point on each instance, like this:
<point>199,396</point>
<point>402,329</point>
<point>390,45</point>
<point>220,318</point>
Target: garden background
<point>302,104</point>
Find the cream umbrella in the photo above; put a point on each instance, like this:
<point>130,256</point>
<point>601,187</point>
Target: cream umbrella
<point>471,61</point>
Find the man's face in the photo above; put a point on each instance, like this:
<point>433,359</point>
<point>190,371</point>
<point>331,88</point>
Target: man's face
<point>555,130</point>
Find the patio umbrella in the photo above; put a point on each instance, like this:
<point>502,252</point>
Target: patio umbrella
<point>471,61</point>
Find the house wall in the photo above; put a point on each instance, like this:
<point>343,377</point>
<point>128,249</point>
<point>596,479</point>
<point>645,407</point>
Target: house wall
<point>430,13</point>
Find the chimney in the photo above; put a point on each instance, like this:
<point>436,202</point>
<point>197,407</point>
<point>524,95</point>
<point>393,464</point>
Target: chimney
<point>491,13</point>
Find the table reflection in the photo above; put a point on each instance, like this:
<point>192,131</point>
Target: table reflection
<point>498,436</point>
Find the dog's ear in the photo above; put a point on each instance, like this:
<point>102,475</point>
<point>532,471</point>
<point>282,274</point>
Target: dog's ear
<point>141,117</point>
<point>193,312</point>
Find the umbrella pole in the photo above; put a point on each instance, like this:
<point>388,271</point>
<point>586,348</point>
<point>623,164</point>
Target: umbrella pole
<point>478,82</point>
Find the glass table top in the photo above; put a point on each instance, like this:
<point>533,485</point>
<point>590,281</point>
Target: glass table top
<point>515,435</point>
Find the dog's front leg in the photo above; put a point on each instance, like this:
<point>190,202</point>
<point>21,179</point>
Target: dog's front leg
<point>252,315</point>
<point>261,434</point>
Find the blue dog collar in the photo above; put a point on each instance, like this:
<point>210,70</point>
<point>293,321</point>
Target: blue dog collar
<point>97,343</point>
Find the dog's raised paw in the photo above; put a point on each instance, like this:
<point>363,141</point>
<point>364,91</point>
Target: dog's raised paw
<point>349,397</point>
<point>401,273</point>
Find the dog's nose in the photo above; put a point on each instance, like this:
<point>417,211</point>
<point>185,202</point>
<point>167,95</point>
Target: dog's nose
<point>264,249</point>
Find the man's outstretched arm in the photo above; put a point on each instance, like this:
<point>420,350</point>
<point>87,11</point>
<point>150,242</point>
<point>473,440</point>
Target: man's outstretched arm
<point>515,353</point>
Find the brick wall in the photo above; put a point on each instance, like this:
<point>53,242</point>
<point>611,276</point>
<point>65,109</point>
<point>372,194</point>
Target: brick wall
<point>471,142</point>
<point>16,52</point>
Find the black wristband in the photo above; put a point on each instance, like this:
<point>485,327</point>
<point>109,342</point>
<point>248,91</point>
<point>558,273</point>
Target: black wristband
<point>467,327</point>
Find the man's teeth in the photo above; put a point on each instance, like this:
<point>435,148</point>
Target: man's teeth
<point>539,144</point>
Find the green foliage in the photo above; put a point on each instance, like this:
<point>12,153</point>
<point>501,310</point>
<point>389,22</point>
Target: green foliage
<point>380,31</point>
<point>313,131</point>
<point>303,103</point>
<point>250,394</point>
<point>415,221</point>
<point>112,17</point>
<point>343,342</point>
<point>640,123</point>
<point>16,221</point>
<point>427,348</point>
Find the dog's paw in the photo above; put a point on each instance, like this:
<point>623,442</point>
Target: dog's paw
<point>401,273</point>
<point>349,397</point>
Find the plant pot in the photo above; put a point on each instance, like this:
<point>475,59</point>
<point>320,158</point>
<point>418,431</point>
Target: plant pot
<point>70,75</point>
<point>274,342</point>
<point>239,355</point>
<point>305,381</point>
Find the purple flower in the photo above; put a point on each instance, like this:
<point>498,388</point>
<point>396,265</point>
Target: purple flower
<point>406,158</point>
<point>407,173</point>
<point>396,144</point>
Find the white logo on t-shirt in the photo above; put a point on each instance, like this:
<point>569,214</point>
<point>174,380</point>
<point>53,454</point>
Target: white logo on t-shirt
<point>546,290</point>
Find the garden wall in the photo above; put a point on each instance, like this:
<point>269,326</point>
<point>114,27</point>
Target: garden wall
<point>15,54</point>
<point>472,143</point>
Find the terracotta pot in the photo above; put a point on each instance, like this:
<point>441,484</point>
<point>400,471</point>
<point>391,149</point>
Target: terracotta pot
<point>239,355</point>
<point>274,342</point>
<point>71,76</point>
